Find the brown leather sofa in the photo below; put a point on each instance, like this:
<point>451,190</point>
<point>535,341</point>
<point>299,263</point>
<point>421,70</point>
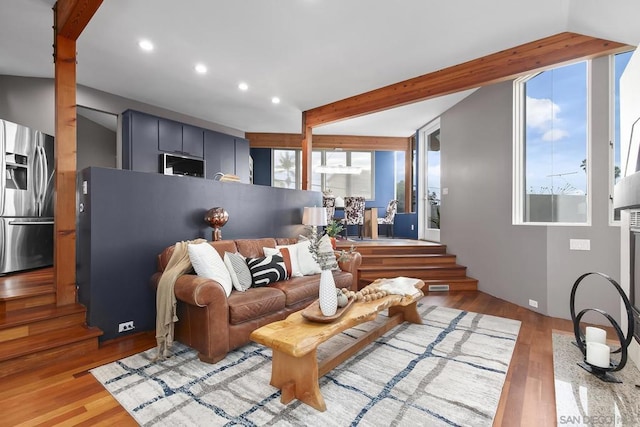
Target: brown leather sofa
<point>214,324</point>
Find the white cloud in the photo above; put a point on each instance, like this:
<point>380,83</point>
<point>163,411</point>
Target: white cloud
<point>541,113</point>
<point>554,135</point>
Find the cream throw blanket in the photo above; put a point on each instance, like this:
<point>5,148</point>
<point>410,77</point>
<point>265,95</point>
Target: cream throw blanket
<point>166,316</point>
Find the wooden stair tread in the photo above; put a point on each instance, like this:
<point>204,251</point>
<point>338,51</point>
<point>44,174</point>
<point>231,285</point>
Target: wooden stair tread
<point>33,344</point>
<point>13,291</point>
<point>36,314</point>
<point>412,267</point>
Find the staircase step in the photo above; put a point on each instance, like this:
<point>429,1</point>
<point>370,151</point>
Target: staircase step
<point>38,350</point>
<point>459,284</point>
<point>26,290</point>
<point>419,272</point>
<point>37,320</point>
<point>407,259</point>
<point>400,248</point>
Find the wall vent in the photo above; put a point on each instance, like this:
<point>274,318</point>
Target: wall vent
<point>634,219</point>
<point>438,288</point>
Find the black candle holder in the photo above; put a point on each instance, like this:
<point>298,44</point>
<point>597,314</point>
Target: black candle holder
<point>600,372</point>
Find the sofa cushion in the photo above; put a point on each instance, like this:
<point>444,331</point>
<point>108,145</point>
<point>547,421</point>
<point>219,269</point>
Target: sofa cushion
<point>254,303</point>
<point>268,269</point>
<point>252,248</point>
<point>207,263</point>
<point>299,289</point>
<point>238,270</point>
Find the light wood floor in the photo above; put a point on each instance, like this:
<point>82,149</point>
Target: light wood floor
<point>67,394</point>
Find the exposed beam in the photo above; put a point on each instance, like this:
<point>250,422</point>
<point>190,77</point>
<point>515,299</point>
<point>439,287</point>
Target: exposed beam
<point>507,64</point>
<point>323,142</point>
<point>72,16</point>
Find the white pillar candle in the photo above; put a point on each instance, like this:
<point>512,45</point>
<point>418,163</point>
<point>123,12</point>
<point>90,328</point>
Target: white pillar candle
<point>596,335</point>
<point>598,354</point>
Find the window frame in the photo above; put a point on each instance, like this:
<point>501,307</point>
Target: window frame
<point>519,152</point>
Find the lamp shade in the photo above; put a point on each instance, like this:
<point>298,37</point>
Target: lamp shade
<point>314,216</point>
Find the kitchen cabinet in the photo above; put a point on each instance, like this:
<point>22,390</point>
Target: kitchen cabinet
<point>227,154</point>
<point>174,137</point>
<point>140,141</point>
<point>145,138</point>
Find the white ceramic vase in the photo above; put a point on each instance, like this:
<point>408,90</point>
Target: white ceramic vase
<point>327,294</point>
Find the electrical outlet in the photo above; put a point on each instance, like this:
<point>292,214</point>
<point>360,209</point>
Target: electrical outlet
<point>533,303</point>
<point>126,326</point>
<point>580,244</point>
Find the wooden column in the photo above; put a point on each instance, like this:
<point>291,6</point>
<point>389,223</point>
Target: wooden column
<point>307,151</point>
<point>64,257</point>
<point>70,18</point>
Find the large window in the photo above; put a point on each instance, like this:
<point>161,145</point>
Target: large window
<point>619,63</point>
<point>339,176</point>
<point>346,173</point>
<point>551,146</point>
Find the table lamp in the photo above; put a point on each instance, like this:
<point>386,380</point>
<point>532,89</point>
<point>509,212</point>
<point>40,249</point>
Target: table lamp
<point>315,216</point>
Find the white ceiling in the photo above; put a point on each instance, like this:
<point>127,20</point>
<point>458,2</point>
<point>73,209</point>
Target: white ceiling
<point>307,52</point>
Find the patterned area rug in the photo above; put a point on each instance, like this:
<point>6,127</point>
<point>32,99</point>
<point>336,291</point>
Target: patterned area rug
<point>584,400</point>
<point>448,371</point>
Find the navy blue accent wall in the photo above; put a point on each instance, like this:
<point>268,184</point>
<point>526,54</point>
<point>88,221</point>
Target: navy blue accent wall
<point>261,165</point>
<point>406,225</point>
<point>385,181</point>
<point>128,218</point>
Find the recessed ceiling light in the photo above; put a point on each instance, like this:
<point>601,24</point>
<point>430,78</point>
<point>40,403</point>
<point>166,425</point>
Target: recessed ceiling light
<point>243,86</point>
<point>275,100</point>
<point>201,68</point>
<point>145,45</point>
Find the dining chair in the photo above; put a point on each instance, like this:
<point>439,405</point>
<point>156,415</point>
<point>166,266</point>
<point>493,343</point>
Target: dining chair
<point>389,217</point>
<point>353,214</point>
<point>329,203</point>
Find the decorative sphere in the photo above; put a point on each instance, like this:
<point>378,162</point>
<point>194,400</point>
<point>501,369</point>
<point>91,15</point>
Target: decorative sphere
<point>216,217</point>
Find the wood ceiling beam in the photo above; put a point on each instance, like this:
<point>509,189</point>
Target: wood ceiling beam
<point>70,18</point>
<point>323,142</point>
<point>507,64</point>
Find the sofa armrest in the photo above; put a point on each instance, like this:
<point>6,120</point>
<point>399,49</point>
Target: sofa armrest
<point>351,265</point>
<point>200,291</point>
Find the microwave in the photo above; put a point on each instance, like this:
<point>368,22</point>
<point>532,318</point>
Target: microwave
<point>172,164</point>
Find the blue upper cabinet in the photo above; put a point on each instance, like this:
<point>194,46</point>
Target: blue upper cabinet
<point>139,142</point>
<point>178,138</point>
<point>145,138</point>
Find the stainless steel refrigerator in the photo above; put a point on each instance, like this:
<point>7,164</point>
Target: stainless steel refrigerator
<point>26,198</point>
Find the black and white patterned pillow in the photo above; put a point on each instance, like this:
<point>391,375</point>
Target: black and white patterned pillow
<point>268,269</point>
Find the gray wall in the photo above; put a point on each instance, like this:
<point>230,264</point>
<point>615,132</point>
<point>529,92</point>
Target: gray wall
<point>96,145</point>
<point>30,102</point>
<point>521,262</point>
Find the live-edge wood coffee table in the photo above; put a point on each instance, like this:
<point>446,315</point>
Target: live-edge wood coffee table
<point>294,341</point>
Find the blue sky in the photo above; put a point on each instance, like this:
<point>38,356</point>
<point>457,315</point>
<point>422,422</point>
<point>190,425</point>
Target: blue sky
<point>556,138</point>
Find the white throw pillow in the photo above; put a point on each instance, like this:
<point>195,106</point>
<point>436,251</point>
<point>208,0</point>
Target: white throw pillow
<point>207,262</point>
<point>325,246</point>
<point>307,265</point>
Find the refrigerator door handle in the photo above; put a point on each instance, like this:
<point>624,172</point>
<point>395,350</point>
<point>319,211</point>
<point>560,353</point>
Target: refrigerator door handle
<point>31,222</point>
<point>3,165</point>
<point>42,177</point>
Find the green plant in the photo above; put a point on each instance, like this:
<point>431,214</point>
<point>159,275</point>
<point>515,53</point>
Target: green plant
<point>333,228</point>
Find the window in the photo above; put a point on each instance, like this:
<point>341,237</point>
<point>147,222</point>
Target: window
<point>619,63</point>
<point>551,145</point>
<point>340,183</point>
<point>287,171</point>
